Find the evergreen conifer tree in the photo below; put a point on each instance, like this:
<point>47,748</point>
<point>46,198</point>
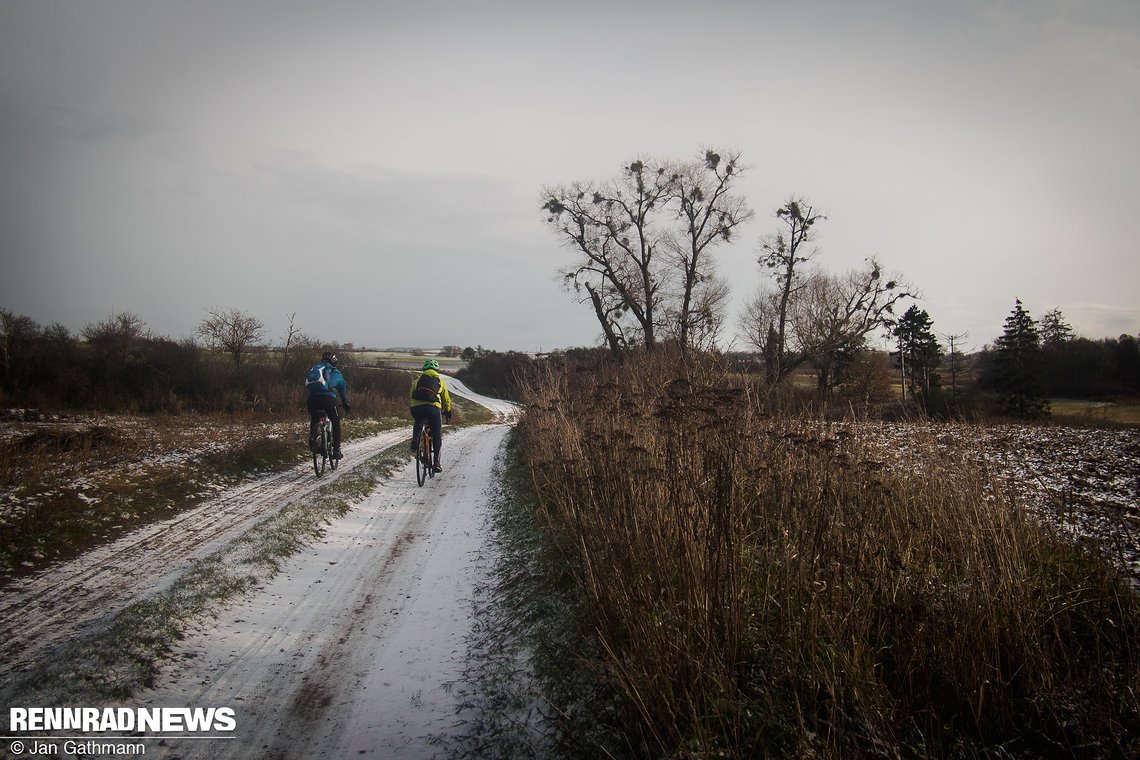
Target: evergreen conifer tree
<point>1055,330</point>
<point>1019,366</point>
<point>919,351</point>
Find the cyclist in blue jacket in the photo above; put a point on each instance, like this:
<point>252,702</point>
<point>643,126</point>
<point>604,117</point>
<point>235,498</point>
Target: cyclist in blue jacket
<point>324,382</point>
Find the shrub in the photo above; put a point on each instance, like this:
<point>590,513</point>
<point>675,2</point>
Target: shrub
<point>496,374</point>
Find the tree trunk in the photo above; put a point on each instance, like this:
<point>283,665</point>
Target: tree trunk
<point>607,328</point>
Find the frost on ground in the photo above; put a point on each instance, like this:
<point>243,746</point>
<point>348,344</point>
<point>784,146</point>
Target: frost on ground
<point>84,453</point>
<point>41,611</point>
<point>70,482</point>
<point>349,647</point>
<point>1085,482</point>
<point>354,648</point>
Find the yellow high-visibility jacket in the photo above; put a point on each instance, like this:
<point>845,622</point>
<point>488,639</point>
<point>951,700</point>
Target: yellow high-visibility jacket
<point>444,400</point>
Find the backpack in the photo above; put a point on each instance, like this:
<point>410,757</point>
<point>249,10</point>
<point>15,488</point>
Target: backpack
<point>317,378</point>
<point>427,388</point>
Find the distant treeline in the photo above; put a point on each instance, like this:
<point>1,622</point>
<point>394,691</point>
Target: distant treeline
<point>117,365</point>
<point>1079,368</point>
<point>1083,368</point>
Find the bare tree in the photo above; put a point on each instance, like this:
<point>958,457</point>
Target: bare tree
<point>299,348</point>
<point>709,213</point>
<point>644,242</point>
<point>231,330</point>
<point>608,308</point>
<point>17,335</point>
<point>796,316</point>
<point>839,312</point>
<point>706,312</point>
<point>824,316</point>
<point>291,337</point>
<point>115,338</point>
<point>782,253</point>
<point>613,227</point>
<point>121,328</point>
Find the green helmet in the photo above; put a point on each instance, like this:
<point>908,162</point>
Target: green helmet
<point>431,364</point>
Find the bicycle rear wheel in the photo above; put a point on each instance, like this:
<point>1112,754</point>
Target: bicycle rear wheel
<point>326,445</point>
<point>315,450</point>
<point>423,459</point>
<point>320,447</point>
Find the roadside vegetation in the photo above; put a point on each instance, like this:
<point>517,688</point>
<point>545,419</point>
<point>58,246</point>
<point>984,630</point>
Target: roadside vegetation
<point>530,689</point>
<point>757,581</point>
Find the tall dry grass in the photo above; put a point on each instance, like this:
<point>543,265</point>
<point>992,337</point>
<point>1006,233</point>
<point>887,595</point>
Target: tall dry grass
<point>760,584</point>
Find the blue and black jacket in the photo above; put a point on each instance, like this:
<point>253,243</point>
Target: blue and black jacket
<point>334,383</point>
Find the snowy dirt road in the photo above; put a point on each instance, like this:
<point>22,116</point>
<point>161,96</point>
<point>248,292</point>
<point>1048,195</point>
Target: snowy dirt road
<point>352,648</point>
<point>348,650</point>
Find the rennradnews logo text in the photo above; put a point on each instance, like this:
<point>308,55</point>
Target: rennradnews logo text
<point>102,719</point>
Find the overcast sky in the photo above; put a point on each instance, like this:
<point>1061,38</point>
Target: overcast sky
<point>346,160</point>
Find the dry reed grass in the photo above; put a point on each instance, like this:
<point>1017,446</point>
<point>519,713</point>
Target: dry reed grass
<point>759,585</point>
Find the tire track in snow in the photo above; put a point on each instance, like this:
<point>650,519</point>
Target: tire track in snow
<point>43,610</point>
<point>351,648</point>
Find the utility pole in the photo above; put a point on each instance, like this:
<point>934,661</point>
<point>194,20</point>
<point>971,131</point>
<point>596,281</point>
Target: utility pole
<point>902,367</point>
<point>951,339</point>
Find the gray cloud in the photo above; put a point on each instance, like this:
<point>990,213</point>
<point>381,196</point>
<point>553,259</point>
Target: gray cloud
<point>166,158</point>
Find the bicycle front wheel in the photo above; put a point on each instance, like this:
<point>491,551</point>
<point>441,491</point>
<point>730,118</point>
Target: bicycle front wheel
<point>333,461</point>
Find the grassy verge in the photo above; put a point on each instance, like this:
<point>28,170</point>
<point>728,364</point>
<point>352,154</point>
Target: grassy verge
<point>466,412</point>
<point>123,657</point>
<point>532,689</point>
<point>759,585</point>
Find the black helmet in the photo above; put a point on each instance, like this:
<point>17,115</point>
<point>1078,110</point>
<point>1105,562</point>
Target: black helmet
<point>330,357</point>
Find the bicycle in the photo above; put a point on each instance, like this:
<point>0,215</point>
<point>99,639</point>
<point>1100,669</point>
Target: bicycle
<point>424,453</point>
<point>322,445</point>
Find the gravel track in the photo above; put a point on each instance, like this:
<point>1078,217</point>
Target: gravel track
<point>353,648</point>
<point>42,610</point>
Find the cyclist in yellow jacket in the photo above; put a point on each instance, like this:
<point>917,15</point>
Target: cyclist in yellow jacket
<point>430,399</point>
